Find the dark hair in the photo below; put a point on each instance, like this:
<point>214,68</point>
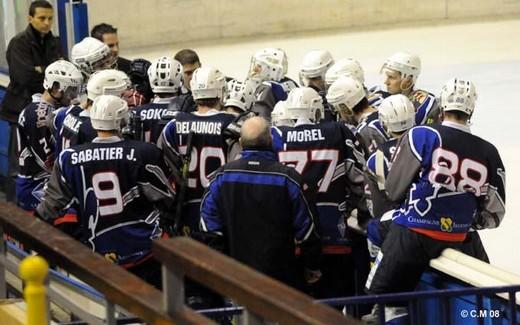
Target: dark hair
<point>187,56</point>
<point>101,29</point>
<point>38,4</point>
<point>209,102</point>
<point>360,106</point>
<point>461,116</point>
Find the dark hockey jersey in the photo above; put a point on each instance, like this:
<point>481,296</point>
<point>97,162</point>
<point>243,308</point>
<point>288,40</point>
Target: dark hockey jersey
<point>118,187</point>
<point>447,180</point>
<point>426,107</point>
<point>375,96</point>
<point>36,152</point>
<point>378,165</point>
<point>35,142</point>
<point>370,133</point>
<point>77,129</point>
<point>327,158</point>
<point>150,116</point>
<point>268,93</point>
<point>57,124</point>
<point>209,152</point>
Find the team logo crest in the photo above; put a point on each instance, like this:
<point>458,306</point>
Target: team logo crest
<point>446,224</point>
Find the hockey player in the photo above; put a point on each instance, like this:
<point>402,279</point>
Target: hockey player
<point>76,127</point>
<point>401,72</point>
<point>120,189</point>
<point>268,68</point>
<point>165,77</point>
<point>140,92</point>
<point>312,74</point>
<point>348,97</point>
<point>280,115</point>
<point>92,55</point>
<point>240,96</point>
<point>35,144</point>
<point>348,67</point>
<point>447,180</point>
<point>397,115</point>
<point>89,55</point>
<point>325,155</point>
<point>208,146</point>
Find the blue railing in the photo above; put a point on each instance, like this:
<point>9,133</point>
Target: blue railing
<point>476,314</point>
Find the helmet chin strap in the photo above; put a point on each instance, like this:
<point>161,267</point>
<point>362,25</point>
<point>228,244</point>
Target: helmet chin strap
<point>401,85</point>
<point>57,100</point>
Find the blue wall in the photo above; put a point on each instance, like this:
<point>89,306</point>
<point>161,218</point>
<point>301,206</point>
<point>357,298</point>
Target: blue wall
<point>431,312</point>
<point>4,140</point>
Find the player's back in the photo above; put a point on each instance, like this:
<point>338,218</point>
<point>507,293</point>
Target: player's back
<point>77,129</point>
<point>377,168</point>
<point>35,140</point>
<point>319,152</point>
<point>150,115</point>
<point>460,170</point>
<point>371,133</point>
<point>58,123</point>
<point>108,178</point>
<point>209,152</point>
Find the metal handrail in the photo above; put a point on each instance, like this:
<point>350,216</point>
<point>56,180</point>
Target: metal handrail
<point>118,285</point>
<point>77,286</point>
<point>411,296</point>
<point>263,297</point>
<point>420,295</point>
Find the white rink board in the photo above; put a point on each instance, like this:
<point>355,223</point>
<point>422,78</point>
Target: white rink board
<point>486,53</point>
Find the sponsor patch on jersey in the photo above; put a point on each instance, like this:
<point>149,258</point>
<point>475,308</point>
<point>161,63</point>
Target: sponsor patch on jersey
<point>446,224</point>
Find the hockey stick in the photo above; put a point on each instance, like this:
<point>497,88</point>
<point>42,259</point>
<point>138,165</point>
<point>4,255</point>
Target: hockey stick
<point>184,184</point>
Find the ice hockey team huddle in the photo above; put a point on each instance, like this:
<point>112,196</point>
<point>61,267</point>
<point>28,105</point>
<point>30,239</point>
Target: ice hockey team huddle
<point>360,184</point>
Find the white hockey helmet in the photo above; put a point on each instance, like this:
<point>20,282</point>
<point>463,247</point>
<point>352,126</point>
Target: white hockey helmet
<point>345,67</point>
<point>165,75</point>
<point>409,65</point>
<point>397,113</point>
<point>280,115</point>
<point>64,73</point>
<point>91,55</point>
<point>107,82</point>
<point>345,93</point>
<point>306,103</point>
<point>458,95</point>
<point>269,64</point>
<point>208,82</point>
<point>315,64</point>
<point>107,112</point>
<point>240,94</point>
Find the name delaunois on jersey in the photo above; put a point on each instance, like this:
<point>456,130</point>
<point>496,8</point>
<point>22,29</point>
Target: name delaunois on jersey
<point>199,127</point>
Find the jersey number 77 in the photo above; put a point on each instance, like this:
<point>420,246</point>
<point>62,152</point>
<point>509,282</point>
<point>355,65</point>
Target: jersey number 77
<point>300,160</point>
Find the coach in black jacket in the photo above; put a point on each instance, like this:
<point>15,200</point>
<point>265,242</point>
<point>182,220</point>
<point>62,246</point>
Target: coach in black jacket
<point>259,207</point>
<point>28,54</point>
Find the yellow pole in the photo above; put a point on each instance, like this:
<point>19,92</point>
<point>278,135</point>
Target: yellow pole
<point>34,270</point>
